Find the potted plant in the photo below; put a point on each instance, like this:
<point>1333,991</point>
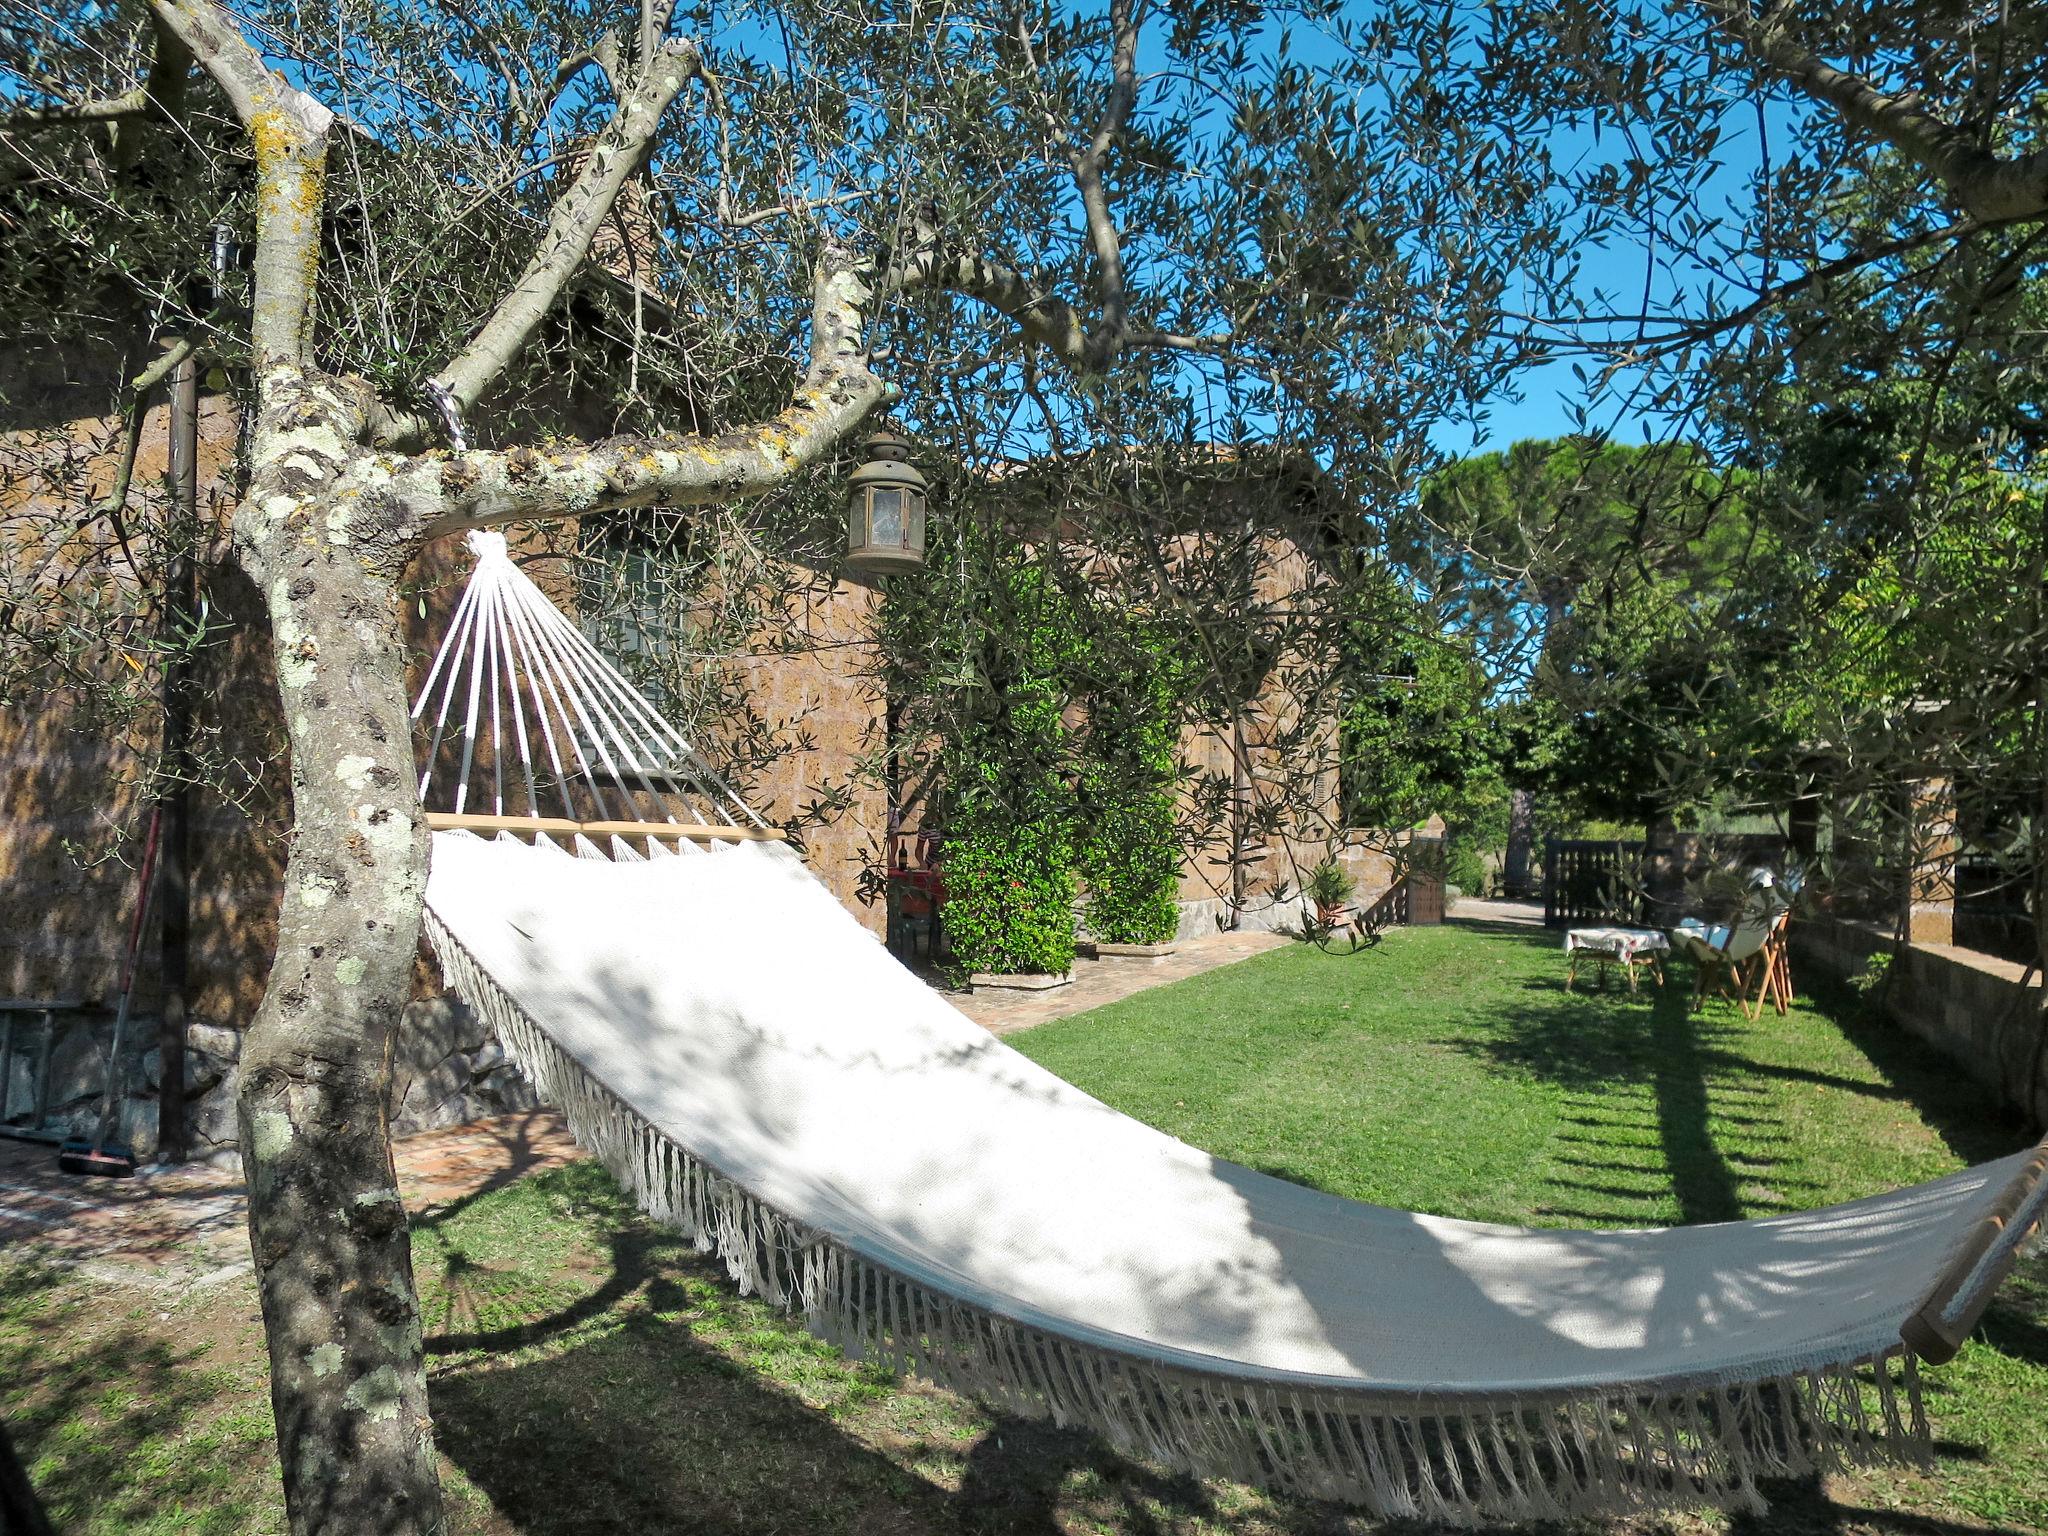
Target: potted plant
<point>1330,888</point>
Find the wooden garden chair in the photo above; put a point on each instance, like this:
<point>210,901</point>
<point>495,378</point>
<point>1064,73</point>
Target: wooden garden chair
<point>1748,962</point>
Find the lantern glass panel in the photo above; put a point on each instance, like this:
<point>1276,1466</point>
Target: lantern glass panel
<point>885,516</point>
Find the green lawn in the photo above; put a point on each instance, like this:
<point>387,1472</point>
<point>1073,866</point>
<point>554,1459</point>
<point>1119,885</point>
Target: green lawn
<point>1448,1071</point>
<point>592,1374</point>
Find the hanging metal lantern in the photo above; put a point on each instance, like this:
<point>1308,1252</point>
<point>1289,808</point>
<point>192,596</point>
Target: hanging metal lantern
<point>885,509</point>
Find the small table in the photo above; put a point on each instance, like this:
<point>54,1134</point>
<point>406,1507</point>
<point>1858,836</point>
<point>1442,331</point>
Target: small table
<point>1633,947</point>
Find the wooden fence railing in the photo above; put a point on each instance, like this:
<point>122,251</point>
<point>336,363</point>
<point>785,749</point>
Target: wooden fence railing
<point>1591,880</point>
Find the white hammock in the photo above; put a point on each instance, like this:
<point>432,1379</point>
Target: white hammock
<point>761,1074</point>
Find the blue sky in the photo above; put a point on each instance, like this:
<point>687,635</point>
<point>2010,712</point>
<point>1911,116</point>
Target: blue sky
<point>1540,402</point>
<point>1548,394</point>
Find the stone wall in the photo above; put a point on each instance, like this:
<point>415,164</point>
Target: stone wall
<point>73,758</point>
<point>1968,1005</point>
<point>71,815</point>
<point>814,689</point>
<point>1274,899</point>
<point>1290,765</point>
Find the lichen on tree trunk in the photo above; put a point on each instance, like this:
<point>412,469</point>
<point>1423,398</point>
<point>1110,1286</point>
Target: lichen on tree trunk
<point>327,1228</point>
<point>333,513</point>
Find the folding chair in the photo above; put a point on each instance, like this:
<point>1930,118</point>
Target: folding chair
<point>1747,962</point>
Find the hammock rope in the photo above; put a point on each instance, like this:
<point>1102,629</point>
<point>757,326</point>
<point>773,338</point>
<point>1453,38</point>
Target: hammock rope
<point>516,648</point>
<point>762,1076</point>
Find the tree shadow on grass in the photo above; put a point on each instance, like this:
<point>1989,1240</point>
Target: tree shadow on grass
<point>519,1152</point>
<point>469,1290</point>
<point>1704,1084</point>
<point>655,1401</point>
<point>1528,934</point>
<point>1645,1074</point>
<point>674,1407</point>
<point>651,1429</point>
<point>2016,1322</point>
<point>1963,1112</point>
<point>1801,1507</point>
<point>114,1426</point>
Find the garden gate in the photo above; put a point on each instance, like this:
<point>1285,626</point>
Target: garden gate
<point>1587,880</point>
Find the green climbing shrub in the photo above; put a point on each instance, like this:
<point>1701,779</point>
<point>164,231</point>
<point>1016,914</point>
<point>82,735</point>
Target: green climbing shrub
<point>1047,723</point>
<point>1010,890</point>
<point>1128,854</point>
<point>1009,803</point>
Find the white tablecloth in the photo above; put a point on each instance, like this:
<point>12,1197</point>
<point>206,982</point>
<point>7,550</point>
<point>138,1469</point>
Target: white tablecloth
<point>1622,943</point>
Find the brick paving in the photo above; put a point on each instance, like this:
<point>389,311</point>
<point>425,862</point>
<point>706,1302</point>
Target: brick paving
<point>1002,1011</point>
<point>180,1228</point>
<point>171,1229</point>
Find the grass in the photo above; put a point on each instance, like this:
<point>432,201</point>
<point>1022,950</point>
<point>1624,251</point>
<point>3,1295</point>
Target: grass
<point>1448,1071</point>
<point>133,1415</point>
<point>591,1373</point>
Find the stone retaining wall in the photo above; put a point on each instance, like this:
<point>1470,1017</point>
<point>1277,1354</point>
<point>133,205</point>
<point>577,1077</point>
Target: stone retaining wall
<point>1967,1005</point>
<point>449,1068</point>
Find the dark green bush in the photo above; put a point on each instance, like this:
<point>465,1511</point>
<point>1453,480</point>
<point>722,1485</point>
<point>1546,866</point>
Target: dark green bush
<point>1055,722</point>
<point>1128,853</point>
<point>1009,804</point>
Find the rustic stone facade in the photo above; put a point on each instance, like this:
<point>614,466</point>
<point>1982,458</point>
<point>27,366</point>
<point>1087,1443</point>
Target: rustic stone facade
<point>1281,748</point>
<point>74,812</point>
<point>818,690</point>
<point>75,816</point>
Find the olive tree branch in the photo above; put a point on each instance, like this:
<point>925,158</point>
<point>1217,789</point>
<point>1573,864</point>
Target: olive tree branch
<point>288,130</point>
<point>160,98</point>
<point>139,388</point>
<point>1087,161</point>
<point>572,224</point>
<point>1044,318</point>
<point>481,489</point>
<point>111,109</point>
<point>1683,333</point>
<point>793,208</point>
<point>1986,185</point>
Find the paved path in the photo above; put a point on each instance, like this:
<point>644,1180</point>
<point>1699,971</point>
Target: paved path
<point>181,1228</point>
<point>1001,1011</point>
<point>1469,909</point>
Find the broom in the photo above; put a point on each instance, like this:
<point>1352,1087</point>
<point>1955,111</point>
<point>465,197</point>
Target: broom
<point>102,1154</point>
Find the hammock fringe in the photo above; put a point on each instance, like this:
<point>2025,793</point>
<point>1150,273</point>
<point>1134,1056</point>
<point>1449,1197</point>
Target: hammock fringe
<point>1454,1460</point>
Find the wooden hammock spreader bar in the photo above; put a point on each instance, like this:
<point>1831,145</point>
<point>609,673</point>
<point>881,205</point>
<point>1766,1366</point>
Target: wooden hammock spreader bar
<point>560,826</point>
<point>1929,1332</point>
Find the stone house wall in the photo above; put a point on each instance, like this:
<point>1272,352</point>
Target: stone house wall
<point>824,698</point>
<point>73,817</point>
<point>74,821</point>
<point>73,814</point>
<point>1286,746</point>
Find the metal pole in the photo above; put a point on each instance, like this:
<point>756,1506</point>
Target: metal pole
<point>180,611</point>
<point>1240,816</point>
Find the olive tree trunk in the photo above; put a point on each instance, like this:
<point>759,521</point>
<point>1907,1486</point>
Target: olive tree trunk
<point>342,493</point>
<point>327,1229</point>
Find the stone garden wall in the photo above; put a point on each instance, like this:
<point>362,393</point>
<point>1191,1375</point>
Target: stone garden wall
<point>1970,1006</point>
